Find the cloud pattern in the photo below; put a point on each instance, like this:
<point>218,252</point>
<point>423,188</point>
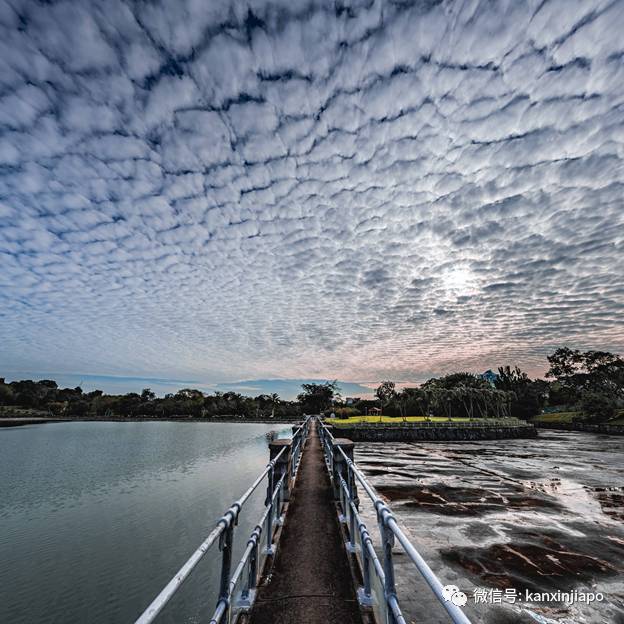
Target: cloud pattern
<point>354,189</point>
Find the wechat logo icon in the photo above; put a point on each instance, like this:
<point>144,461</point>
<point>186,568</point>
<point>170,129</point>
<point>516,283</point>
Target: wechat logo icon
<point>452,594</point>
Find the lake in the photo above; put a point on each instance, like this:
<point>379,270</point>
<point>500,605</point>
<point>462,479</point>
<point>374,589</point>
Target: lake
<point>95,518</point>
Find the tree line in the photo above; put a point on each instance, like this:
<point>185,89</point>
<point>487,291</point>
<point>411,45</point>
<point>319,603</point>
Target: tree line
<point>591,382</point>
<point>46,396</point>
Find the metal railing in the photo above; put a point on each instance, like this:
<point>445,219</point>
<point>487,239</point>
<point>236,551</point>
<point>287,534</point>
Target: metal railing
<point>280,473</point>
<point>379,590</point>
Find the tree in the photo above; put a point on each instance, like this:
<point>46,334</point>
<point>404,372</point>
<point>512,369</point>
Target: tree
<point>147,395</point>
<point>458,394</point>
<point>593,379</point>
<point>594,370</point>
<point>386,393</point>
<point>317,397</point>
<point>526,397</point>
<point>189,393</point>
<point>598,406</point>
<point>6,394</point>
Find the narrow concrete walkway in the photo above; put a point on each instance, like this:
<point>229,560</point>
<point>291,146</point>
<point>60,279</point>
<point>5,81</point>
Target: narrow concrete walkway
<point>311,581</point>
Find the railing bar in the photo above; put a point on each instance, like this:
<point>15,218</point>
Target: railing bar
<point>239,568</point>
<point>456,614</point>
<point>396,610</point>
<point>165,595</point>
<point>173,585</point>
<point>454,611</point>
<point>219,611</point>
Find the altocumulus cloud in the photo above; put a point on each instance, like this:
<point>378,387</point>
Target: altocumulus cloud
<point>226,190</point>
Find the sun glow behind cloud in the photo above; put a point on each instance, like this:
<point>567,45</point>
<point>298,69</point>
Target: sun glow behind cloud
<point>459,281</point>
<point>224,191</point>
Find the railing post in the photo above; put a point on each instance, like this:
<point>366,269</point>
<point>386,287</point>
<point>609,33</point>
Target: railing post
<point>225,545</point>
<point>340,466</point>
<point>364,594</point>
<point>279,467</point>
<point>387,543</point>
<point>249,588</point>
<point>268,528</point>
<point>352,545</point>
<point>268,502</point>
<point>282,465</point>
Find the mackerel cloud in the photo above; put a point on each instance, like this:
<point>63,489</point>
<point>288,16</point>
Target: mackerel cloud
<point>355,189</point>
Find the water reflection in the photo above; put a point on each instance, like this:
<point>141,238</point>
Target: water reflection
<point>96,517</point>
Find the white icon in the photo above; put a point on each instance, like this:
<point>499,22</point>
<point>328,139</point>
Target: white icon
<point>448,591</point>
<point>451,593</point>
<point>459,599</point>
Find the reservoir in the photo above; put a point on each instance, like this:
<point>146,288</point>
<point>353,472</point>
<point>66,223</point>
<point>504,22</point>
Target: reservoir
<point>95,518</point>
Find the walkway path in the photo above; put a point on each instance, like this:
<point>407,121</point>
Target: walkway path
<point>311,581</point>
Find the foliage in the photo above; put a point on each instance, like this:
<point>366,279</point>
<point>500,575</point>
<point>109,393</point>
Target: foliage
<point>589,370</point>
<point>386,392</point>
<point>316,397</point>
<point>527,396</point>
<point>592,379</point>
<point>598,406</point>
<point>346,412</point>
<point>45,396</point>
<point>465,395</point>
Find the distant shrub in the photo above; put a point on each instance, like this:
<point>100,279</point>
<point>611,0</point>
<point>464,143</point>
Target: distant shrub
<point>599,406</point>
<point>346,412</point>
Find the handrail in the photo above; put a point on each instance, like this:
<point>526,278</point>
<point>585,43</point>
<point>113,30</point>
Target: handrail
<point>224,532</point>
<point>389,529</point>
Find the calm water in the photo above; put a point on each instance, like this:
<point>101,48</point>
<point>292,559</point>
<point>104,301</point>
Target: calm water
<point>95,518</point>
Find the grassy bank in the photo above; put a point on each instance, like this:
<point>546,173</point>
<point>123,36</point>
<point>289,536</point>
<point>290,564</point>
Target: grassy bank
<point>391,420</point>
<point>569,417</point>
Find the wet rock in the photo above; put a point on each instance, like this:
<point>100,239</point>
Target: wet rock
<point>550,564</point>
<point>455,501</point>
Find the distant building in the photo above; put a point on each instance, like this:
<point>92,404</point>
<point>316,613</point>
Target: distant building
<point>350,400</point>
<point>490,376</point>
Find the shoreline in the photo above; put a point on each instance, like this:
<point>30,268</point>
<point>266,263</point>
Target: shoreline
<point>433,433</point>
<point>603,428</point>
<point>20,422</point>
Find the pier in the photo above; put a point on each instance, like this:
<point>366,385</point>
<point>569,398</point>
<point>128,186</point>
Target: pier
<point>311,580</point>
<point>310,558</point>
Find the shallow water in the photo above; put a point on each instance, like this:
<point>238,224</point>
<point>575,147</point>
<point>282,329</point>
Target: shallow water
<point>95,518</point>
<point>541,515</point>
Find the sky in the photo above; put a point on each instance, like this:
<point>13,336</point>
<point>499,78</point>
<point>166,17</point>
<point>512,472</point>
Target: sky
<point>224,191</point>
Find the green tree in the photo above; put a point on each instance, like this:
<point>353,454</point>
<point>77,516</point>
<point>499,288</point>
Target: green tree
<point>526,397</point>
<point>147,395</point>
<point>316,397</point>
<point>386,393</point>
<point>6,394</point>
<point>598,406</point>
<point>595,370</point>
<point>592,379</point>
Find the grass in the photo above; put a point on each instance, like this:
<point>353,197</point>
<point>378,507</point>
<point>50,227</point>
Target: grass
<point>568,417</point>
<point>557,417</point>
<point>397,420</point>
